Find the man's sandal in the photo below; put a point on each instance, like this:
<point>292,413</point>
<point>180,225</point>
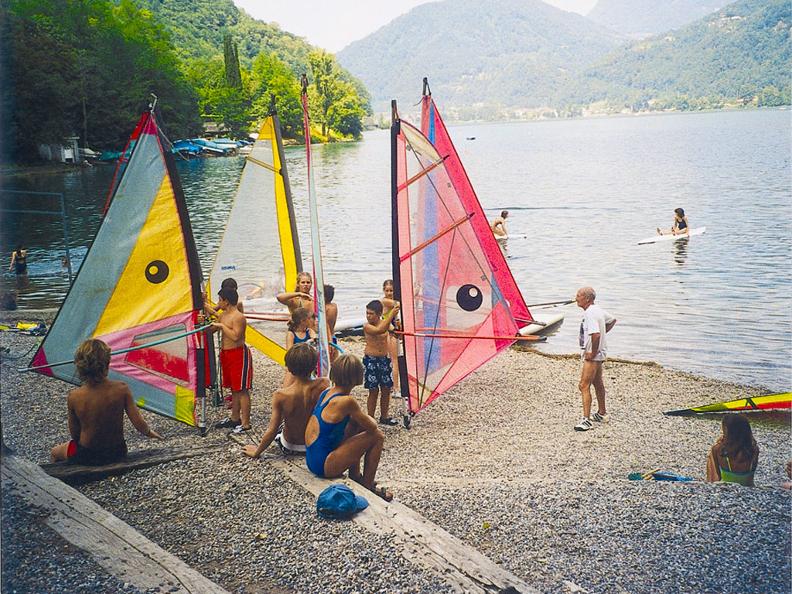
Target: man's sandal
<point>382,492</point>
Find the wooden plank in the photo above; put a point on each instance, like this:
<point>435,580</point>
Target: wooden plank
<point>78,473</point>
<point>117,547</point>
<point>424,543</point>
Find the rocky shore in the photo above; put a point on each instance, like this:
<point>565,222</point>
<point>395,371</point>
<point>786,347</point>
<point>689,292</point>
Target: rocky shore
<point>495,462</point>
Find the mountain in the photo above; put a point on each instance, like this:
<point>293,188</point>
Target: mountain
<point>643,18</point>
<point>477,53</point>
<point>740,54</point>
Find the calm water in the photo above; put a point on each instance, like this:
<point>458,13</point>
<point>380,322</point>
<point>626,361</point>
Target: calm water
<point>585,191</point>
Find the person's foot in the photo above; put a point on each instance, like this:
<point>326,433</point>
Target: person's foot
<point>226,424</point>
<point>241,429</point>
<point>390,421</point>
<point>600,418</point>
<point>584,425</point>
<point>381,492</point>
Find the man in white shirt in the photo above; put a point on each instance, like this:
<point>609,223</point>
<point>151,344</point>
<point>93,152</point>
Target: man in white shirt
<point>595,325</point>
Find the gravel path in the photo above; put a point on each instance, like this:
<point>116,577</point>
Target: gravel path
<point>495,462</point>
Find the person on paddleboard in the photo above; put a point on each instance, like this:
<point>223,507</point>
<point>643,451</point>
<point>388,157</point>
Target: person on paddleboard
<point>680,226</point>
<point>498,226</point>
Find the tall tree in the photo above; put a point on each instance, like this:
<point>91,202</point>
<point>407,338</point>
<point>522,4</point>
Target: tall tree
<point>233,76</point>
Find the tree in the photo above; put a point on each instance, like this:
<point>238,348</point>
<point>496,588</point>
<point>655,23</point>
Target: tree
<point>327,84</point>
<point>271,76</point>
<point>233,77</point>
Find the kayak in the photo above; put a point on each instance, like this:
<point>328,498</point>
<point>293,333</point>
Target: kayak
<point>669,237</point>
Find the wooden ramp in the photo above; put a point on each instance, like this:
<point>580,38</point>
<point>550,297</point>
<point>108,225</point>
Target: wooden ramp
<point>116,546</point>
<point>76,474</point>
<point>423,543</point>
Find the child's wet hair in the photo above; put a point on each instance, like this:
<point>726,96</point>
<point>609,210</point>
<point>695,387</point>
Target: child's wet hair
<point>347,371</point>
<point>375,306</point>
<point>298,316</point>
<point>92,360</point>
<point>301,360</point>
<point>229,295</point>
<point>680,211</point>
<point>329,293</point>
<point>229,283</point>
<point>388,282</point>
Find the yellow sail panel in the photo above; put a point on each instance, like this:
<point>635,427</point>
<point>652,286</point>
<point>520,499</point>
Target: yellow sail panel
<point>155,283</point>
<point>287,243</point>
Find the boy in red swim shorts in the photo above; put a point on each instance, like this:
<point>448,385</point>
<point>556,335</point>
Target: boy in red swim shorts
<point>235,360</point>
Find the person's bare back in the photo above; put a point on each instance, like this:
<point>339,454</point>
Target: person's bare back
<point>96,414</point>
<point>296,404</point>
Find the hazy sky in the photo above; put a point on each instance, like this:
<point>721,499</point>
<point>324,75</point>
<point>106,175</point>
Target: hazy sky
<point>333,24</point>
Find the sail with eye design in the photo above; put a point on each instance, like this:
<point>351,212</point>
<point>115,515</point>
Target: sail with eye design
<point>139,288</point>
<point>260,249</point>
<point>460,304</point>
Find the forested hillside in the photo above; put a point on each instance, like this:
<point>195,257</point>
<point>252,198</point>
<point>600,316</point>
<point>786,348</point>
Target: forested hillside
<point>741,54</point>
<point>506,53</point>
<point>643,18</point>
<point>87,67</point>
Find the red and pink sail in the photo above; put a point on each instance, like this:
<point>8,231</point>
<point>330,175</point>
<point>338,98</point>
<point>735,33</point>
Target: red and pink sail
<point>460,303</point>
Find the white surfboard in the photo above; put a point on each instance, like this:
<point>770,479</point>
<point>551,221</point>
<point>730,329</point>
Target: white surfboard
<point>548,321</point>
<point>669,237</point>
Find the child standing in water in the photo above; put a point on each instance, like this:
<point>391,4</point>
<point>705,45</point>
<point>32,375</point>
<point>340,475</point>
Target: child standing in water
<point>393,341</point>
<point>378,377</point>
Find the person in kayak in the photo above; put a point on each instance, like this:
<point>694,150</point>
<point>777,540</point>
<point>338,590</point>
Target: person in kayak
<point>680,226</point>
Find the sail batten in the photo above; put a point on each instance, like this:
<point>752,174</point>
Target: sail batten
<point>459,299</point>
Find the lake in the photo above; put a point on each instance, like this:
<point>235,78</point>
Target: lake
<point>585,191</point>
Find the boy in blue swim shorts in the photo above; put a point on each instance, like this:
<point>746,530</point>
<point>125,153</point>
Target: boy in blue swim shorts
<point>378,378</point>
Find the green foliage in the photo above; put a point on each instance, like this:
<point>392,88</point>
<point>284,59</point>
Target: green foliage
<point>270,76</point>
<point>740,55</point>
<point>86,67</point>
<point>233,77</point>
<point>226,105</point>
<point>199,27</point>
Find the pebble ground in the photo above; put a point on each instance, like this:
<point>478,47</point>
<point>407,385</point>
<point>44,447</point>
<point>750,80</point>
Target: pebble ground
<point>495,462</point>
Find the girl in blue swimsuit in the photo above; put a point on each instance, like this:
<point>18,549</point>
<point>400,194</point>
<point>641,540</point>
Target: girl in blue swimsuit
<point>301,327</point>
<point>339,434</point>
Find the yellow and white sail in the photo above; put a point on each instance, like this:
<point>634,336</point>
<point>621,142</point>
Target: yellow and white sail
<point>260,248</point>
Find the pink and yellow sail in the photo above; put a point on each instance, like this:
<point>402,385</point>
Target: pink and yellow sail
<point>139,288</point>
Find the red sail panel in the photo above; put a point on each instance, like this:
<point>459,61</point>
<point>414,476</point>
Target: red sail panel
<point>434,129</point>
<point>447,287</point>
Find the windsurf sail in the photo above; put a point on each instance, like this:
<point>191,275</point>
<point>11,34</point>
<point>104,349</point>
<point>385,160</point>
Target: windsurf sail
<point>460,303</point>
<point>316,244</point>
<point>782,401</point>
<point>139,288</point>
<point>260,248</point>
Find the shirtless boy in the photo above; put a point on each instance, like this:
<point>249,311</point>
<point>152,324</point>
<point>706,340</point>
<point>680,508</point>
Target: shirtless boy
<point>293,405</point>
<point>235,360</point>
<point>376,360</point>
<point>388,302</point>
<point>301,297</point>
<point>96,411</point>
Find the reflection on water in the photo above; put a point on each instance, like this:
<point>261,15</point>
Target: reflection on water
<point>680,250</point>
<point>584,191</point>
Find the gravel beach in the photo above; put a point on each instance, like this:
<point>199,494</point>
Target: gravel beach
<point>495,462</point>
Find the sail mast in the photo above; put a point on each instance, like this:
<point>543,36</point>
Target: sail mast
<point>395,260</point>
<point>316,244</point>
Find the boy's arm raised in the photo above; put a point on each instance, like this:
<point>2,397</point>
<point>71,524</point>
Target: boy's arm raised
<point>382,325</point>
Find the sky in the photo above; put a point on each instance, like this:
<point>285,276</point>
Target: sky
<point>334,24</point>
